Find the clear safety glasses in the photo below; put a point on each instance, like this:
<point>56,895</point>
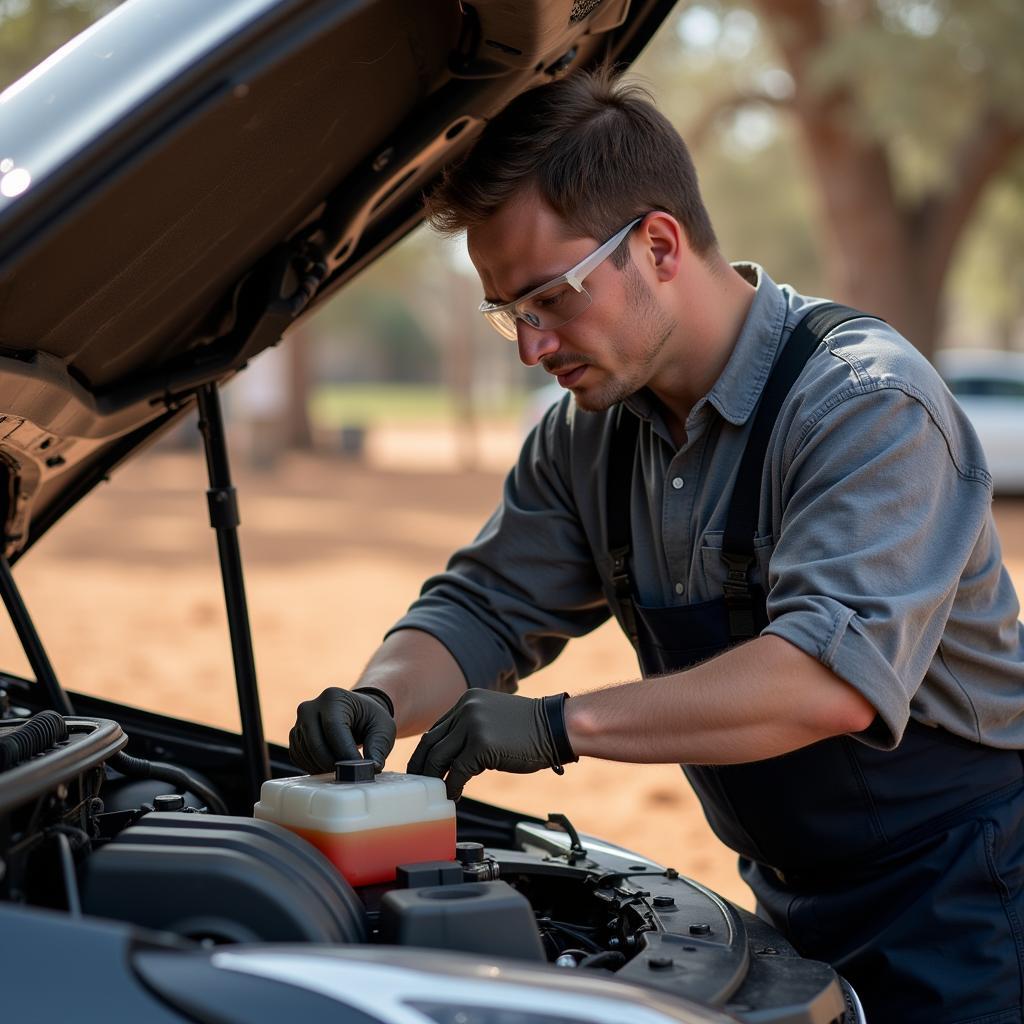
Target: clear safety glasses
<point>556,302</point>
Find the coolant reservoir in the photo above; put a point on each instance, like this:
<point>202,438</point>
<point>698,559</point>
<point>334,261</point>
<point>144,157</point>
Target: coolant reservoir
<point>366,825</point>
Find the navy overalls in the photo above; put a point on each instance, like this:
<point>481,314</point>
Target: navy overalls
<point>902,868</point>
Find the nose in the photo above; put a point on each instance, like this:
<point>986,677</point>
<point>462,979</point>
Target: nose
<point>534,344</point>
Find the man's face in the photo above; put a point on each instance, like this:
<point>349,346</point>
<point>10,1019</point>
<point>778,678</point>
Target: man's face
<point>607,352</point>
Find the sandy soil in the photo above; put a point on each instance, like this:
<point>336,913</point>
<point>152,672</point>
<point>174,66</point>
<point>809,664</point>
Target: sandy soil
<point>127,597</point>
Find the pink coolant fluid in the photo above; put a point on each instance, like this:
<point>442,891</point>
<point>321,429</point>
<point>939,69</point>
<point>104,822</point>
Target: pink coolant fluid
<point>366,825</point>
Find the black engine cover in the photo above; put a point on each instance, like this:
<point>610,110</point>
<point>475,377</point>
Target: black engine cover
<point>224,878</point>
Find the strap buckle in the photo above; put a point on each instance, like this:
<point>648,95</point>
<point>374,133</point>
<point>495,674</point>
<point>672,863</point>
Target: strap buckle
<point>737,575</point>
<point>623,587</point>
<point>620,571</point>
<point>739,598</point>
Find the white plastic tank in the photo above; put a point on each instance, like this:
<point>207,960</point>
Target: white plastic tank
<point>365,824</point>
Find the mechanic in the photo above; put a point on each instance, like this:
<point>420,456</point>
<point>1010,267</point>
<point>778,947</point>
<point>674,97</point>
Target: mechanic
<point>790,518</point>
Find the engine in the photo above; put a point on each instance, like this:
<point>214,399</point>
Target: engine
<point>84,832</point>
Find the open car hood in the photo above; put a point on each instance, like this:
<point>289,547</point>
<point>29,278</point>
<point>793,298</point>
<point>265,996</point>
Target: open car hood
<point>184,180</point>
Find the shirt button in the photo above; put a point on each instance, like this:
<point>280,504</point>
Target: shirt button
<point>679,588</point>
<point>677,483</point>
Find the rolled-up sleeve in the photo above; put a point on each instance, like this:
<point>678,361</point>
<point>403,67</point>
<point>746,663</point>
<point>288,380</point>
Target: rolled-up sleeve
<point>879,521</point>
<point>508,602</point>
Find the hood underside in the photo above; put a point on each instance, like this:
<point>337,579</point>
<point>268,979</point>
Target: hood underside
<point>202,175</point>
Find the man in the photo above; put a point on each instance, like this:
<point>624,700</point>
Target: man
<point>790,518</point>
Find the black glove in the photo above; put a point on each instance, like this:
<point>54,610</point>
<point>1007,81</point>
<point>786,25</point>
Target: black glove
<point>485,729</point>
<point>328,728</point>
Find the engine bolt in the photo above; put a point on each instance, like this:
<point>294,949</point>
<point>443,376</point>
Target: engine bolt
<point>700,929</point>
<point>664,901</point>
<point>659,963</point>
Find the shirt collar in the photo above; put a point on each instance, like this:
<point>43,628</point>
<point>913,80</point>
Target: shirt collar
<point>738,388</point>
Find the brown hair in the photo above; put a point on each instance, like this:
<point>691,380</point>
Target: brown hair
<point>597,151</point>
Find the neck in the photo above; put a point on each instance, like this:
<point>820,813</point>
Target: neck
<point>712,303</point>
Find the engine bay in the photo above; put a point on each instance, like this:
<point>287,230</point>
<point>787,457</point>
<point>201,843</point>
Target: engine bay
<point>89,832</point>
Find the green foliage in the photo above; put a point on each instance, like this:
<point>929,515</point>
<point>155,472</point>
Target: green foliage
<point>31,30</point>
<point>922,72</point>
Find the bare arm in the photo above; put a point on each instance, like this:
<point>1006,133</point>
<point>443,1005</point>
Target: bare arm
<point>753,702</point>
<point>420,676</point>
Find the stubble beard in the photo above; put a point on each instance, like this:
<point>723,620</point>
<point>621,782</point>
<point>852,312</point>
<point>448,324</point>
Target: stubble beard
<point>644,318</point>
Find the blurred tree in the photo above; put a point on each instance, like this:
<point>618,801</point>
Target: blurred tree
<point>379,319</point>
<point>907,110</point>
<point>752,176</point>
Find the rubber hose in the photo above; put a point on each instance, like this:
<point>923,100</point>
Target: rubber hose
<point>609,960</point>
<point>139,768</point>
<point>40,733</point>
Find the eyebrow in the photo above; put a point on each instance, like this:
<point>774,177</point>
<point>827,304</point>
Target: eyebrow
<point>525,291</point>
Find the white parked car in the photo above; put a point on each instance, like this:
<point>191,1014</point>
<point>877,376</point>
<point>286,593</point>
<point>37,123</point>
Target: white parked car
<point>989,384</point>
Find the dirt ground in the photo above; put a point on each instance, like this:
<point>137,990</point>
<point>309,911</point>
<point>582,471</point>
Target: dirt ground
<point>127,597</point>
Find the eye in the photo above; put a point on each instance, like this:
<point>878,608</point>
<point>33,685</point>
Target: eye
<point>551,299</point>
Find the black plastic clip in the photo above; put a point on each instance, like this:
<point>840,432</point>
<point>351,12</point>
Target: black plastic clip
<point>623,588</point>
<point>739,599</point>
<point>223,502</point>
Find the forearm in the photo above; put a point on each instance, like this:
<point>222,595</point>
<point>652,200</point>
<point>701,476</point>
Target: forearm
<point>420,676</point>
<point>756,701</point>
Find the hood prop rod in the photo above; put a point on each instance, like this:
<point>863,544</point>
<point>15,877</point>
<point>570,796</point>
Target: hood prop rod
<point>224,518</point>
<point>38,660</point>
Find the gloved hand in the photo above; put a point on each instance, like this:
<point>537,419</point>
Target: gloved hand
<point>485,729</point>
<point>329,728</point>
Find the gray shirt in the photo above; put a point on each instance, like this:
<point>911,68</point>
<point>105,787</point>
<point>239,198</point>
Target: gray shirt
<point>875,539</point>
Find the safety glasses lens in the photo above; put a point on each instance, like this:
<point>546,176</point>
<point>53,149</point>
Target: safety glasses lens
<point>553,308</point>
<point>503,322</point>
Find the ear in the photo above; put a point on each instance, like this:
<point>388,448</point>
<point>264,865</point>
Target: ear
<point>664,242</point>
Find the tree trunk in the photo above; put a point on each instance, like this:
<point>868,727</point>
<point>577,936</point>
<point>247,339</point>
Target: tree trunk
<point>883,256</point>
<point>873,256</point>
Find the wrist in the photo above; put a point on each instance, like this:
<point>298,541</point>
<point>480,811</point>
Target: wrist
<point>580,726</point>
<point>562,748</point>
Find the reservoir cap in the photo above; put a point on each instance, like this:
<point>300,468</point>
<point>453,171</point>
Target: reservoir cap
<point>354,771</point>
<point>169,802</point>
<point>469,853</point>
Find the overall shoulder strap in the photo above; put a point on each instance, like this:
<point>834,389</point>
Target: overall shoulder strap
<point>621,460</point>
<point>741,523</point>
